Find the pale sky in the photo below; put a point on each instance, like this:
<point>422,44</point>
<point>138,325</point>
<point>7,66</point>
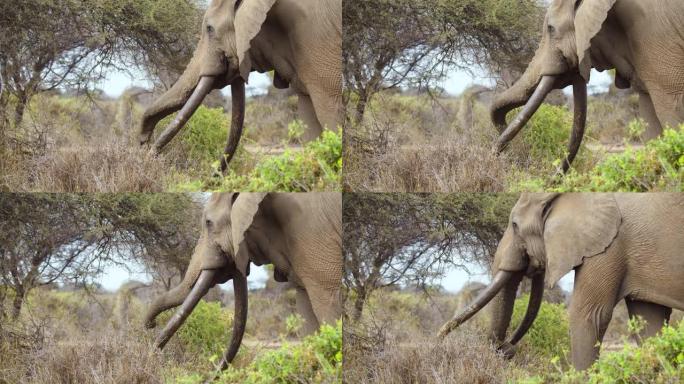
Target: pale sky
<point>456,278</point>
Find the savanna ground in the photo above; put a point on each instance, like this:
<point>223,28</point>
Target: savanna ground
<point>420,142</point>
<point>93,336</point>
<point>77,143</point>
<point>395,341</point>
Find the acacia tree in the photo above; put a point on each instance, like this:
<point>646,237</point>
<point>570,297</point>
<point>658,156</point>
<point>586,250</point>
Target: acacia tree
<point>410,238</point>
<point>388,43</point>
<point>46,238</point>
<point>57,44</point>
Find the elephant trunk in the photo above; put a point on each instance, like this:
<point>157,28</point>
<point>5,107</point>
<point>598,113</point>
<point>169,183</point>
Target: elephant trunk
<point>237,90</point>
<point>500,280</point>
<point>239,319</point>
<point>536,295</point>
<point>170,102</point>
<point>579,121</point>
<point>515,96</point>
<point>204,282</point>
<point>202,89</point>
<point>535,100</point>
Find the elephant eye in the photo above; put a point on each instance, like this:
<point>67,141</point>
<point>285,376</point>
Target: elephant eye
<point>515,226</point>
<point>208,223</point>
<point>210,29</point>
<point>551,29</point>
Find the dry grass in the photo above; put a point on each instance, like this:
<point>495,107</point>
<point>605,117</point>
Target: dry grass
<point>108,358</point>
<point>465,358</point>
<point>453,165</point>
<point>112,167</point>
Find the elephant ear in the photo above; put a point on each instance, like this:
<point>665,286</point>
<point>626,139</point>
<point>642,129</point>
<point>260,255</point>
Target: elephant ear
<point>249,17</point>
<point>578,226</point>
<point>589,17</point>
<point>242,216</point>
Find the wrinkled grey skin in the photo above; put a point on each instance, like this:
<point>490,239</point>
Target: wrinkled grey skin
<point>621,246</point>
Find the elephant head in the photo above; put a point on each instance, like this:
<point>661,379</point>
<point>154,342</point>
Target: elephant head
<point>548,235</point>
<point>562,59</point>
<point>220,255</point>
<point>221,58</point>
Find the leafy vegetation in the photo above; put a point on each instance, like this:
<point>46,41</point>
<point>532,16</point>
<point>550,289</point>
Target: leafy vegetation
<point>317,166</point>
<point>659,359</point>
<point>548,336</point>
<point>658,166</point>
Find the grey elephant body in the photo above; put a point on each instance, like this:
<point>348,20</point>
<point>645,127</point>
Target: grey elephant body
<point>642,40</point>
<point>298,233</point>
<point>644,265</point>
<point>300,40</point>
<point>308,58</point>
<point>621,246</point>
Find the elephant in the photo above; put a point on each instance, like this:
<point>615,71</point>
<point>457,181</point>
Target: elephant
<point>300,40</point>
<point>642,40</point>
<point>298,233</point>
<point>621,246</point>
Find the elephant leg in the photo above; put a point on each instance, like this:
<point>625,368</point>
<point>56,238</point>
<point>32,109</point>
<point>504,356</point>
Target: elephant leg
<point>669,108</point>
<point>655,316</point>
<point>325,303</point>
<point>304,308</point>
<point>327,107</point>
<point>597,283</point>
<point>307,114</point>
<point>648,113</point>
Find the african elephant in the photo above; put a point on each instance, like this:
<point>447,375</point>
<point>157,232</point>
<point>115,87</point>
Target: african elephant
<point>299,233</point>
<point>621,246</point>
<point>643,40</point>
<point>300,40</point>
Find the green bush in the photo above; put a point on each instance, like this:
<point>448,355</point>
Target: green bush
<point>659,166</point>
<point>316,167</point>
<point>206,330</point>
<point>659,359</point>
<point>549,334</point>
<point>545,137</point>
<point>317,359</point>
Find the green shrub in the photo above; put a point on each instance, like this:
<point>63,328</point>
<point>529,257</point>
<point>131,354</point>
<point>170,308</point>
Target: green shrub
<point>206,330</point>
<point>549,334</point>
<point>659,359</point>
<point>659,166</point>
<point>317,359</point>
<point>545,137</point>
<point>316,167</point>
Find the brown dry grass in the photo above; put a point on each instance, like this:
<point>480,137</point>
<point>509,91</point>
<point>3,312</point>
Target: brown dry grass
<point>116,166</point>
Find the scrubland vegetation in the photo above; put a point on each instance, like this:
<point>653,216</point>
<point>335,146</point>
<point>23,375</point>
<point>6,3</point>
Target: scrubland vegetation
<point>415,142</point>
<point>80,144</point>
<point>395,342</point>
<point>92,336</point>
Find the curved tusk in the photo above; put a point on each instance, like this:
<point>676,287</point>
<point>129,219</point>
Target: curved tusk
<point>536,295</point>
<point>237,121</point>
<point>480,301</point>
<point>239,319</point>
<point>204,282</point>
<point>202,89</point>
<point>579,121</point>
<point>543,88</point>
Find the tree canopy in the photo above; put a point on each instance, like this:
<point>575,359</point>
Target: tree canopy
<point>388,43</point>
<point>71,44</point>
<point>406,239</point>
<point>71,238</point>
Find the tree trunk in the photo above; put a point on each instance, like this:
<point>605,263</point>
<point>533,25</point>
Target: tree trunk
<point>18,302</point>
<point>22,101</point>
<point>359,303</point>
